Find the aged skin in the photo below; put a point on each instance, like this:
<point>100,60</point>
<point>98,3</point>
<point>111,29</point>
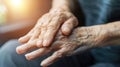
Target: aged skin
<point>59,17</point>
<point>81,39</point>
<point>84,38</point>
<point>45,30</point>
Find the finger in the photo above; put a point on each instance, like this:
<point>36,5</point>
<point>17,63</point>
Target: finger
<point>43,30</point>
<point>48,37</point>
<point>68,26</point>
<point>26,47</point>
<point>40,39</point>
<point>51,31</point>
<point>57,55</point>
<point>26,38</point>
<point>37,53</point>
<point>35,34</point>
<point>57,45</point>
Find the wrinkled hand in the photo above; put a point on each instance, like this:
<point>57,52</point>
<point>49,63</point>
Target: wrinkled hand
<point>45,30</point>
<point>80,40</point>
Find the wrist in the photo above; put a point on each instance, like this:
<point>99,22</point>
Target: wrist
<point>113,29</point>
<point>62,5</point>
<point>59,9</point>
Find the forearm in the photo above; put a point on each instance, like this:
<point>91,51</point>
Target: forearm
<point>113,30</point>
<point>98,35</point>
<point>63,4</point>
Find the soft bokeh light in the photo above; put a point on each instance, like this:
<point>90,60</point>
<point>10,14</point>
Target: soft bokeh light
<point>17,8</point>
<point>3,13</point>
<point>26,9</point>
<point>16,3</point>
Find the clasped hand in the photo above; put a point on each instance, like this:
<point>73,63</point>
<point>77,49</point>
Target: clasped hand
<point>54,33</point>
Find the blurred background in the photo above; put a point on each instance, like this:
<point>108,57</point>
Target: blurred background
<point>17,17</point>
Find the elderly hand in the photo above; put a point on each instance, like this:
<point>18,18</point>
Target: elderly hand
<point>44,31</point>
<point>81,39</point>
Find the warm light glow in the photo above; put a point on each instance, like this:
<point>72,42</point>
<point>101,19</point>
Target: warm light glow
<point>16,3</point>
<point>20,8</point>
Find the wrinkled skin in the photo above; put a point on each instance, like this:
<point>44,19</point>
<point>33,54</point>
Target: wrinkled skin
<point>48,26</point>
<point>81,38</point>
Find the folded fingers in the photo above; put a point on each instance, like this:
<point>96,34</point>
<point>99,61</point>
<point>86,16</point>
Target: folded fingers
<point>26,47</point>
<point>55,56</point>
<point>37,53</point>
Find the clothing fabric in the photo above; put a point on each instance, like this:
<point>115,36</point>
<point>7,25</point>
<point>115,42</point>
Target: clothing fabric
<point>9,58</point>
<point>101,12</point>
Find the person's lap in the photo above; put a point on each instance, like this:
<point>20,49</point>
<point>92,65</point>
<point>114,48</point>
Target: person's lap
<point>9,58</point>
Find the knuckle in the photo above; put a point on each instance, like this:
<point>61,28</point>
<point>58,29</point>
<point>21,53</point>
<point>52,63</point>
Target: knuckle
<point>59,54</point>
<point>72,21</point>
<point>39,22</point>
<point>37,27</point>
<point>43,27</point>
<point>52,27</point>
<point>81,32</point>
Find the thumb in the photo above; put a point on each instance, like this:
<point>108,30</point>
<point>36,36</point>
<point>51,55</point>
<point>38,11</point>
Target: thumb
<point>68,26</point>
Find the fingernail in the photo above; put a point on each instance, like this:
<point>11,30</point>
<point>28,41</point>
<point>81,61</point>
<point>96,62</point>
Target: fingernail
<point>19,50</point>
<point>28,57</point>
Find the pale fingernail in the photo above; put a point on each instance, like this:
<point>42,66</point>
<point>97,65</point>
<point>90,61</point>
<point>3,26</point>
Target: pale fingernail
<point>28,56</point>
<point>19,50</point>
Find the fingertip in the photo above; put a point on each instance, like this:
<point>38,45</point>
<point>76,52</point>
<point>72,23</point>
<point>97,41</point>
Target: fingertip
<point>18,50</point>
<point>39,43</point>
<point>44,64</point>
<point>69,25</point>
<point>28,57</point>
<point>46,43</point>
<point>20,39</point>
<point>66,31</point>
<point>23,39</point>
